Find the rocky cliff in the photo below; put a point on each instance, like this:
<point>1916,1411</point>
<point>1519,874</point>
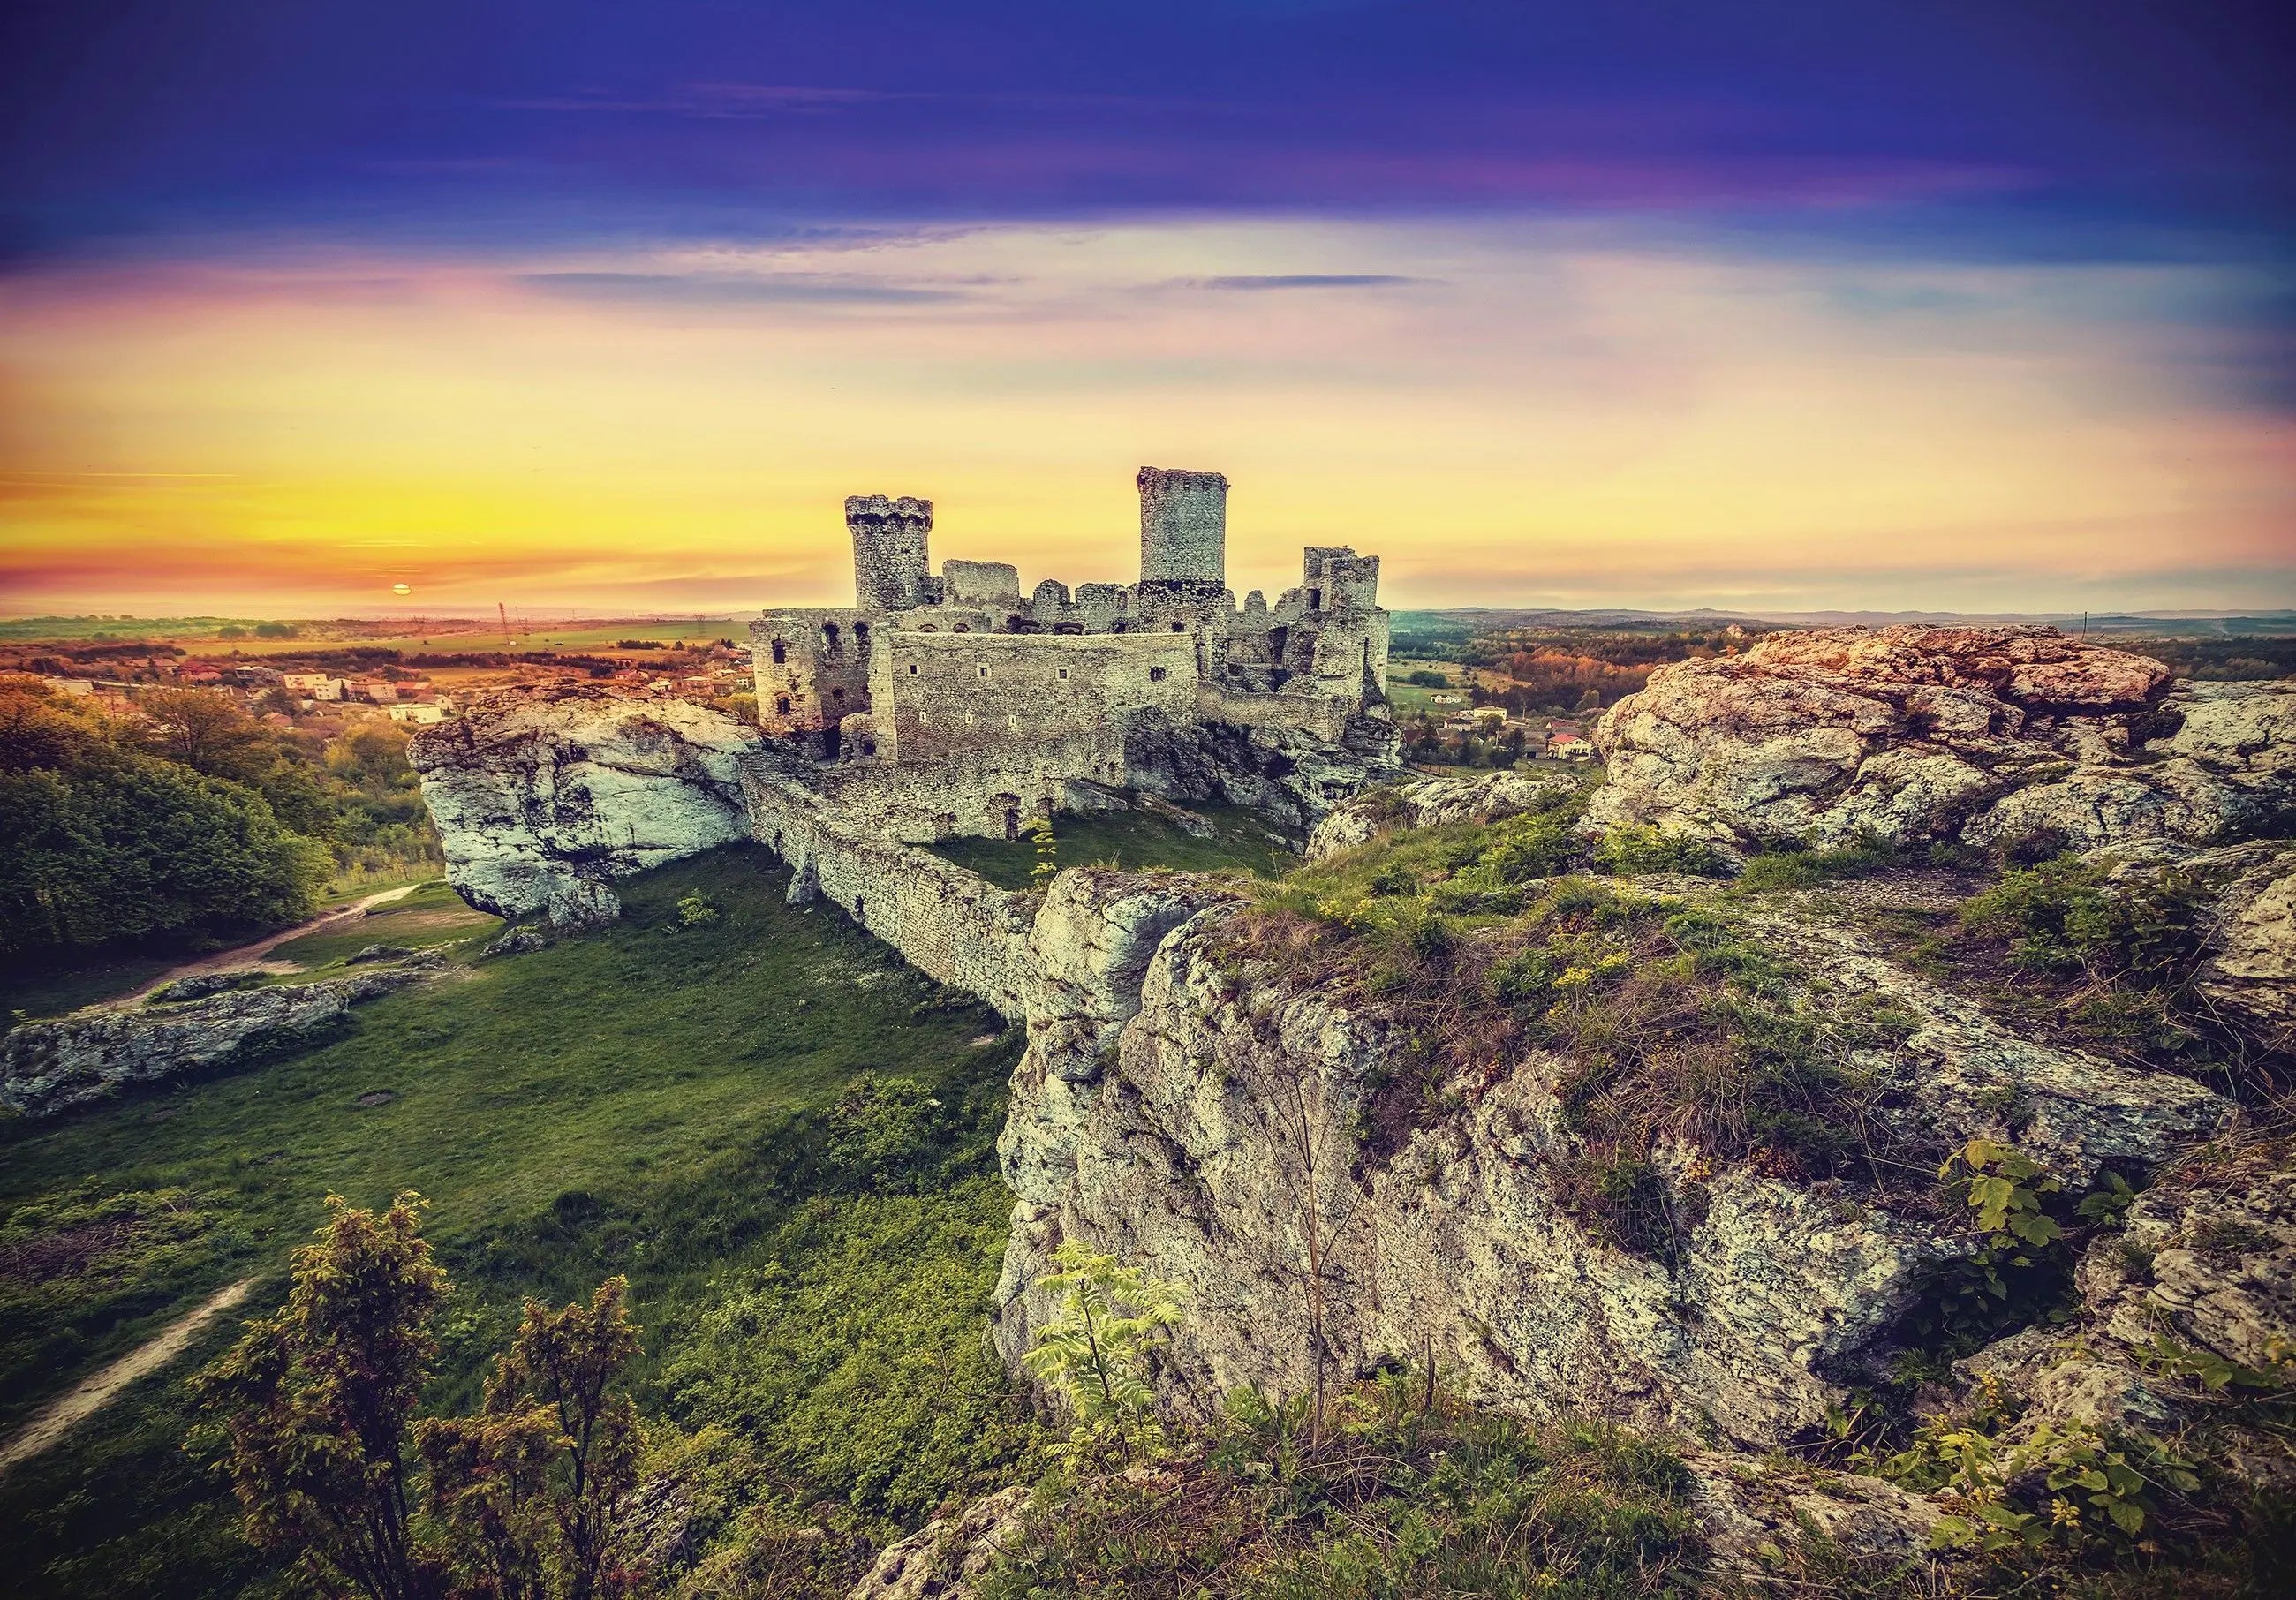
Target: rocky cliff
<point>543,797</point>
<point>1180,1106</point>
<point>1199,1097</point>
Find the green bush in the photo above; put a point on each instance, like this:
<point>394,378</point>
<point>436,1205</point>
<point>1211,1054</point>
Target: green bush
<point>1625,851</point>
<point>1804,868</point>
<point>2068,915</point>
<point>1411,1494</point>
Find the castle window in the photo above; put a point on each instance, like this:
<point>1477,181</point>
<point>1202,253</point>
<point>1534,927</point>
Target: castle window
<point>780,653</point>
<point>868,747</point>
<point>781,705</point>
<point>925,628</point>
<point>829,632</point>
<point>838,695</point>
<point>1179,627</point>
<point>1155,675</point>
<point>861,635</point>
<point>984,672</point>
<point>1314,600</point>
<point>1064,673</point>
<point>912,669</point>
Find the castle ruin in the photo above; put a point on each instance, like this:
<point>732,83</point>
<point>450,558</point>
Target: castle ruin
<point>954,704</point>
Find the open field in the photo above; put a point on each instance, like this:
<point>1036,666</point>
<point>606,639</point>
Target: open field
<point>652,1099</point>
<point>1240,841</point>
<point>408,634</point>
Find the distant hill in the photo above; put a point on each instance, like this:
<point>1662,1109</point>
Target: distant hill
<point>2163,624</point>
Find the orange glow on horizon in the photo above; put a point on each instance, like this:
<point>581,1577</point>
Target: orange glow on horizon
<point>1525,416</point>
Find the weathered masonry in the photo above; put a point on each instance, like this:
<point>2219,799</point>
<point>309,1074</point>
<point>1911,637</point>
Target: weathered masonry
<point>963,705</point>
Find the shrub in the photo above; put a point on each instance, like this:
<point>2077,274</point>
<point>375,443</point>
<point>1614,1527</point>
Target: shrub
<point>1799,867</point>
<point>1625,851</point>
<point>1412,1493</point>
<point>1097,1352</point>
<point>695,911</point>
<point>2067,916</point>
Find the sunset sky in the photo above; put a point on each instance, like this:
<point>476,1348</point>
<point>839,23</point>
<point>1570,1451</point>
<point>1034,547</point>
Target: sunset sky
<point>1941,304</point>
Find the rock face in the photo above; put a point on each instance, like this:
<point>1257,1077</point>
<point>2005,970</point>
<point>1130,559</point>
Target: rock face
<point>47,1066</point>
<point>2200,1281</point>
<point>1285,772</point>
<point>1988,734</point>
<point>543,797</point>
<point>940,1560</point>
<point>1431,802</point>
<point>1199,1119</point>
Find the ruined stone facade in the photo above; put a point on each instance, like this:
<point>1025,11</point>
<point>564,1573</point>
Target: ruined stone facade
<point>955,703</point>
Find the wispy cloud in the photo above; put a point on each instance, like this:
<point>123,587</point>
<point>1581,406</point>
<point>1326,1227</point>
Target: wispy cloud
<point>703,289</point>
<point>1308,280</point>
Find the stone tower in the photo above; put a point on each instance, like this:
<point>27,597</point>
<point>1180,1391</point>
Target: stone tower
<point>1182,527</point>
<point>888,551</point>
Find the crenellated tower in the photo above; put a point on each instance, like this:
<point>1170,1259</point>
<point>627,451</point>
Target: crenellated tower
<point>889,557</point>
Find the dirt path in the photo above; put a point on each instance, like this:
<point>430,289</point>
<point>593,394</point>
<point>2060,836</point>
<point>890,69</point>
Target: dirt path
<point>251,956</point>
<point>90,1395</point>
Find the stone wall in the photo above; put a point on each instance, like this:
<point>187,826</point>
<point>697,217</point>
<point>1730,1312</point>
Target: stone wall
<point>949,923</point>
<point>811,665</point>
<point>937,694</point>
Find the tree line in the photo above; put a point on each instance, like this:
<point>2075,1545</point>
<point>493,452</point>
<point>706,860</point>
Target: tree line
<point>191,817</point>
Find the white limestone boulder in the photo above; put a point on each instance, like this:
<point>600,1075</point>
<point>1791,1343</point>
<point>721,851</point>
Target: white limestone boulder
<point>543,797</point>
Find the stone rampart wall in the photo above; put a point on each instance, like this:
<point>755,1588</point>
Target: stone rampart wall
<point>949,923</point>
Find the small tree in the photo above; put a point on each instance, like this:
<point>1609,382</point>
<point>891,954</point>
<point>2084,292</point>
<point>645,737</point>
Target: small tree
<point>1048,856</point>
<point>1096,1350</point>
<point>316,1407</point>
<point>317,1400</point>
<point>529,1490</point>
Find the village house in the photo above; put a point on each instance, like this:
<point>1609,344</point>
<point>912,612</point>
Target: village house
<point>312,685</point>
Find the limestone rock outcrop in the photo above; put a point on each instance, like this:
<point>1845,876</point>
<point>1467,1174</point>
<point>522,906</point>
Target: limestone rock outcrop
<point>1988,735</point>
<point>1287,773</point>
<point>47,1066</point>
<point>543,797</point>
<point>940,1560</point>
<point>2191,1301</point>
<point>1190,1118</point>
<point>1431,802</point>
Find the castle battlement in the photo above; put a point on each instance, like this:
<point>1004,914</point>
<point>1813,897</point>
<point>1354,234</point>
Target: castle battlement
<point>964,682</point>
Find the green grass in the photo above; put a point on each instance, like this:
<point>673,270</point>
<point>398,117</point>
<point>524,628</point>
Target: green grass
<point>42,988</point>
<point>1239,842</point>
<point>647,1100</point>
<point>1400,1499</point>
<point>432,915</point>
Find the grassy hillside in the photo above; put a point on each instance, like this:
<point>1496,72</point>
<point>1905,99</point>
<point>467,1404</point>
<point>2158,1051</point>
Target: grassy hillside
<point>1240,841</point>
<point>674,1103</point>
